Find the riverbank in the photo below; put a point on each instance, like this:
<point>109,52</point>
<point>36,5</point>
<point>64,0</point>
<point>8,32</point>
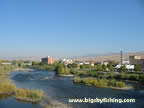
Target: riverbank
<point>23,69</point>
<point>51,103</point>
<point>28,95</point>
<point>7,87</point>
<point>102,83</point>
<point>124,88</point>
<point>22,96</point>
<point>63,75</point>
<point>61,89</point>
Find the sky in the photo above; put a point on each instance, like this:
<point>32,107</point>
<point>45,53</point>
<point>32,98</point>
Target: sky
<point>70,27</point>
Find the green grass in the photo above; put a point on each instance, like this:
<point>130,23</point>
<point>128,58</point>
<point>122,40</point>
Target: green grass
<point>6,87</point>
<point>104,83</point>
<point>29,94</point>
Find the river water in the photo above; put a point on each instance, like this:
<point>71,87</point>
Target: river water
<point>62,88</point>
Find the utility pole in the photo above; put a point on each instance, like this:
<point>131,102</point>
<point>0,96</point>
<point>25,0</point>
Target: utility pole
<point>121,58</point>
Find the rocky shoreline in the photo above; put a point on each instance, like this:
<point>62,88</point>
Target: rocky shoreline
<point>66,75</point>
<point>24,69</point>
<point>28,100</point>
<point>124,88</point>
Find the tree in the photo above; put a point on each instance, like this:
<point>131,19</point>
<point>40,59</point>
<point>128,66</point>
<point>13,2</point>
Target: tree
<point>73,71</point>
<point>99,67</point>
<point>60,69</point>
<point>111,68</point>
<point>74,65</point>
<point>137,67</point>
<point>85,66</point>
<point>123,69</point>
<point>66,71</point>
<point>104,67</point>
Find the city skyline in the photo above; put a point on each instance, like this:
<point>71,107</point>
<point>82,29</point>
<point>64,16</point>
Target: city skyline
<point>70,28</point>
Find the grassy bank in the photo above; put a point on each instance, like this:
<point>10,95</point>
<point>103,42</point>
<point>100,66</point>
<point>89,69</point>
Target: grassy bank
<point>109,75</point>
<point>8,88</point>
<point>103,83</point>
<point>29,95</point>
<point>126,76</point>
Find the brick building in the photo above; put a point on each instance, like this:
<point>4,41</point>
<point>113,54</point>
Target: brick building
<point>136,60</point>
<point>48,60</point>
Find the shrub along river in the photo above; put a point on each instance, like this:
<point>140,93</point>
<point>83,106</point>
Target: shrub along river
<point>62,88</point>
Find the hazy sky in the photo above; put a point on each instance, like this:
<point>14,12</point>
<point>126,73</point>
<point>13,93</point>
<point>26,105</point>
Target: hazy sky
<point>70,27</point>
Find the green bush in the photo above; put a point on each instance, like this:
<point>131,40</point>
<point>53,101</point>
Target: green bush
<point>29,94</point>
<point>94,74</point>
<point>7,87</point>
<point>73,71</point>
<point>137,67</point>
<point>111,75</point>
<point>112,83</point>
<point>141,77</point>
<point>134,77</point>
<point>99,82</point>
<point>76,79</point>
<point>120,84</point>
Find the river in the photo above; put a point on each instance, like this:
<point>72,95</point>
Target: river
<point>62,88</point>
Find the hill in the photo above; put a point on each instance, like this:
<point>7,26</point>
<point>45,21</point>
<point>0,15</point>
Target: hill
<point>108,57</point>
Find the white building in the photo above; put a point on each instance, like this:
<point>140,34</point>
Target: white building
<point>129,67</point>
<point>80,63</point>
<point>105,63</point>
<point>67,61</point>
<point>87,63</point>
<point>6,63</point>
<point>28,64</point>
<point>125,62</point>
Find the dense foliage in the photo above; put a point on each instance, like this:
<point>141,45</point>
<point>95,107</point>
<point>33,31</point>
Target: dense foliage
<point>63,70</point>
<point>41,65</point>
<point>29,94</point>
<point>123,76</point>
<point>137,67</point>
<point>6,87</point>
<point>99,82</point>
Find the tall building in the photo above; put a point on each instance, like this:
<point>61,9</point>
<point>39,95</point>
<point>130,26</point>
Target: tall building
<point>48,60</point>
<point>136,60</point>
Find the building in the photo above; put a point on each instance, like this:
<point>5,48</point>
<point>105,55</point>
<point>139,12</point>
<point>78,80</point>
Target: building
<point>48,60</point>
<point>128,67</point>
<point>97,63</point>
<point>104,63</point>
<point>125,62</point>
<point>67,61</point>
<point>6,63</point>
<point>87,63</point>
<point>28,64</point>
<point>136,60</point>
<point>81,63</point>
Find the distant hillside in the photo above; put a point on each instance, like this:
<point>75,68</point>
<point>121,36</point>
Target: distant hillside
<point>100,58</point>
<point>21,58</point>
<point>108,57</point>
<point>31,58</point>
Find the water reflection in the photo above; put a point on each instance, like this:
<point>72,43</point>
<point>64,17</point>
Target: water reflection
<point>62,88</point>
<point>4,97</point>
